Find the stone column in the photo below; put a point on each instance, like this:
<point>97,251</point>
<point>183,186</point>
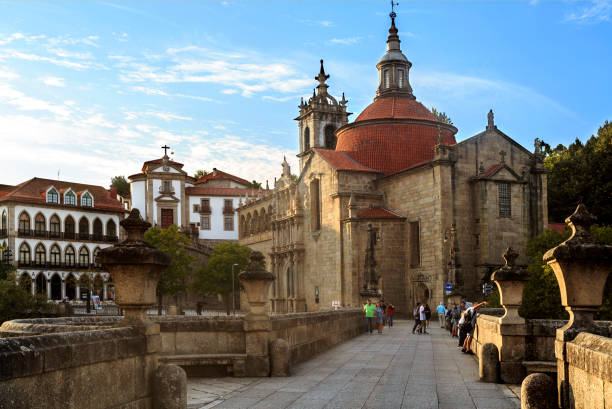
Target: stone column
<point>256,281</point>
<point>48,289</point>
<point>77,291</point>
<point>33,287</point>
<point>511,342</point>
<point>581,265</point>
<point>63,289</point>
<point>104,292</point>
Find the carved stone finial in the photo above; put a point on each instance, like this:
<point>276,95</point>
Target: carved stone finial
<point>286,167</point>
<point>490,120</point>
<point>135,226</point>
<point>510,280</point>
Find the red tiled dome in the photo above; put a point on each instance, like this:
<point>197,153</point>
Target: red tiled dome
<point>393,134</point>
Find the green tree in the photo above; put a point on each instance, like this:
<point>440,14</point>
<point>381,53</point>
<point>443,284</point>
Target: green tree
<point>604,234</point>
<point>122,185</point>
<point>174,279</point>
<point>254,185</point>
<point>580,173</point>
<point>217,277</point>
<point>441,116</point>
<point>200,173</point>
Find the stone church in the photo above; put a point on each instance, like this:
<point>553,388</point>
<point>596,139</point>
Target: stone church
<point>391,205</point>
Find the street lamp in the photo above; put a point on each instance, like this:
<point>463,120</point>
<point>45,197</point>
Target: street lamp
<point>233,296</point>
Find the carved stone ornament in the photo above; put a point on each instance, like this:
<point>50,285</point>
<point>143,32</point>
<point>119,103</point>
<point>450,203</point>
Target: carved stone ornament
<point>510,280</point>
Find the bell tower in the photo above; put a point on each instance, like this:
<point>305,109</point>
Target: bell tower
<point>319,118</point>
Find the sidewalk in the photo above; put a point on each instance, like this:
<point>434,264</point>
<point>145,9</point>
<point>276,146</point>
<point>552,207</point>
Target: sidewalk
<point>392,370</point>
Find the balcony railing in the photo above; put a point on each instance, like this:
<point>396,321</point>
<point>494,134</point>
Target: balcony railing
<point>205,209</point>
<point>58,265</point>
<point>44,234</point>
<point>228,210</point>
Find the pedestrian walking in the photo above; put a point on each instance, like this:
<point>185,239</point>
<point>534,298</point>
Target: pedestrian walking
<point>390,313</point>
<point>379,317</point>
<point>441,314</point>
<point>383,305</point>
<point>423,318</point>
<point>416,315</point>
<point>370,311</point>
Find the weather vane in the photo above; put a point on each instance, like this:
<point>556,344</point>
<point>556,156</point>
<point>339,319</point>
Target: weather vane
<point>393,4</point>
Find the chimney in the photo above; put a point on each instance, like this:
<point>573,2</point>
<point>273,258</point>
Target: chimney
<point>113,192</point>
<point>214,171</point>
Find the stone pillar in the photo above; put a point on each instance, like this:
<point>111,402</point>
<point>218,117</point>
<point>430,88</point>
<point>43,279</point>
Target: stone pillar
<point>63,289</point>
<point>256,281</point>
<point>510,280</point>
<point>48,289</point>
<point>581,265</point>
<point>33,287</point>
<point>104,292</point>
<point>77,291</point>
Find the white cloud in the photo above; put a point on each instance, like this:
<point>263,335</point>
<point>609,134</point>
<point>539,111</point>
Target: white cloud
<point>596,12</point>
<point>168,116</point>
<point>54,81</point>
<point>154,91</point>
<point>345,41</point>
<point>229,91</point>
<point>322,23</point>
<point>13,54</point>
<point>23,102</point>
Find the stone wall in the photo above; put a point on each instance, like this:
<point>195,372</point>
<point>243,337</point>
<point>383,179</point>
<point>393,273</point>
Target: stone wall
<point>61,370</point>
<point>201,335</point>
<point>309,334</point>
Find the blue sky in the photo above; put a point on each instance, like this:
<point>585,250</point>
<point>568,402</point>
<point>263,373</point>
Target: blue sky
<point>93,89</point>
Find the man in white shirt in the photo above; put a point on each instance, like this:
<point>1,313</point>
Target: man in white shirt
<point>423,318</point>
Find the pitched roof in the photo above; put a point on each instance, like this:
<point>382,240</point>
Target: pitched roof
<point>341,161</point>
<point>378,213</point>
<point>492,170</point>
<point>217,174</point>
<point>221,191</point>
<point>34,191</point>
<point>158,161</point>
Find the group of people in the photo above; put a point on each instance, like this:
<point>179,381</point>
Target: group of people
<point>422,316</point>
<point>461,322</point>
<point>380,312</point>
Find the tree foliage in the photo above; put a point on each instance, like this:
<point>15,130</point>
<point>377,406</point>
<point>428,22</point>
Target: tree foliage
<point>254,185</point>
<point>441,116</point>
<point>581,174</point>
<point>122,185</point>
<point>200,173</point>
<point>17,301</point>
<point>217,277</point>
<point>174,279</point>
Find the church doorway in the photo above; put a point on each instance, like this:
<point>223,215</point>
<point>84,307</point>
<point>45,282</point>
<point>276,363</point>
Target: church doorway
<point>167,218</point>
<point>56,287</point>
<point>422,293</point>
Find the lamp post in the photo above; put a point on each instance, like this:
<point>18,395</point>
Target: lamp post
<point>233,297</point>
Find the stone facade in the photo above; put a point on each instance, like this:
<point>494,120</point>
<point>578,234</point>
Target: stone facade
<point>398,209</point>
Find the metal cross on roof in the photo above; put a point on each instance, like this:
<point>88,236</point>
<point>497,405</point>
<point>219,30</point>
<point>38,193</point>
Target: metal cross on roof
<point>393,4</point>
<point>165,148</point>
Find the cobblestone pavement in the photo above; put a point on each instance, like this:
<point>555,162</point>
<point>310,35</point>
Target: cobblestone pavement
<point>392,370</point>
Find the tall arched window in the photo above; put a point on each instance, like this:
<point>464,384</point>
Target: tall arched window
<point>4,225</point>
<point>54,226</point>
<point>95,254</point>
<point>330,138</point>
<point>86,199</point>
<point>55,255</point>
<point>84,228</point>
<point>84,257</point>
<point>40,254</point>
<point>52,196</point>
<point>111,229</point>
<point>69,228</point>
<point>386,78</point>
<point>69,256</point>
<point>306,138</point>
<point>39,224</point>
<point>70,198</point>
<point>24,223</point>
<point>24,254</point>
<point>97,230</point>
<point>400,78</point>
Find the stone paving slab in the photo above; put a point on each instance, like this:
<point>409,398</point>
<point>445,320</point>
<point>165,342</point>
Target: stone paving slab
<point>395,370</point>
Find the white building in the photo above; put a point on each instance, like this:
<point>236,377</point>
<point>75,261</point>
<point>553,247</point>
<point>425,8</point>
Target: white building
<point>54,230</point>
<point>166,195</point>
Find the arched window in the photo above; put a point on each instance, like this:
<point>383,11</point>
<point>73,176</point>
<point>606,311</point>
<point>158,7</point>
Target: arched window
<point>39,224</point>
<point>315,205</point>
<point>95,254</point>
<point>86,199</point>
<point>70,198</point>
<point>84,228</point>
<point>55,255</point>
<point>386,78</point>
<point>97,230</point>
<point>306,138</point>
<point>4,224</point>
<point>52,196</point>
<point>24,254</point>
<point>69,228</point>
<point>69,256</point>
<point>54,226</point>
<point>111,229</point>
<point>83,257</point>
<point>24,223</point>
<point>330,138</point>
<point>40,255</point>
<point>400,78</point>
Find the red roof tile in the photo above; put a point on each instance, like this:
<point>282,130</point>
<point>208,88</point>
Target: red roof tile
<point>491,171</point>
<point>217,174</point>
<point>396,108</point>
<point>34,191</point>
<point>221,191</point>
<point>158,161</point>
<point>377,213</point>
<point>341,161</point>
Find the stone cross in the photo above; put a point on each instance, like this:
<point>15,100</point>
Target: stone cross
<point>502,154</point>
